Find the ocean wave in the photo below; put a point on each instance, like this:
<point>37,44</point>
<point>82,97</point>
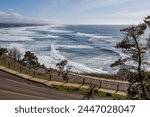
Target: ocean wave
<point>48,61</point>
<point>93,36</point>
<point>74,46</point>
<point>81,68</point>
<point>59,31</point>
<point>47,29</point>
<point>44,37</point>
<point>77,67</point>
<point>52,36</point>
<point>84,51</point>
<point>109,51</point>
<point>21,31</point>
<point>20,47</point>
<point>15,34</point>
<point>55,54</point>
<point>9,38</point>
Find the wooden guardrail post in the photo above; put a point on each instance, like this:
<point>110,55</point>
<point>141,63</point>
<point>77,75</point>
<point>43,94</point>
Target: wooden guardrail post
<point>118,87</point>
<point>100,84</point>
<point>83,81</point>
<point>50,77</point>
<point>20,69</point>
<point>9,65</point>
<point>33,73</point>
<point>67,79</point>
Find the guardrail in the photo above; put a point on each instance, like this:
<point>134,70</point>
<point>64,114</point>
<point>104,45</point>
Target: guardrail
<point>117,85</point>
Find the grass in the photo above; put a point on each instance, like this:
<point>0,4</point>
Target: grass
<point>83,91</point>
<point>3,61</point>
<point>11,64</point>
<point>69,89</point>
<point>118,97</point>
<point>103,94</point>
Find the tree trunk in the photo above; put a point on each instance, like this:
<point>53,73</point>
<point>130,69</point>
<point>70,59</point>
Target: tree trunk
<point>139,67</point>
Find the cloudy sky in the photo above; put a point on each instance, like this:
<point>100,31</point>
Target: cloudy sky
<point>74,11</point>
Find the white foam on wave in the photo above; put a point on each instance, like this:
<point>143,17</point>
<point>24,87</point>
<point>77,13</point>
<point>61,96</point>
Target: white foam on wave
<point>24,33</point>
<point>74,46</point>
<point>48,61</point>
<point>80,68</point>
<point>93,36</point>
<point>8,37</point>
<point>59,31</point>
<point>55,54</point>
<point>48,28</point>
<point>42,36</point>
<point>15,34</point>
<point>38,28</point>
<point>52,36</point>
<point>20,47</point>
<point>77,67</point>
<point>27,33</point>
<point>123,55</point>
<point>52,59</point>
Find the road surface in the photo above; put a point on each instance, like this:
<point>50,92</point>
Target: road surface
<point>13,87</point>
<point>16,88</point>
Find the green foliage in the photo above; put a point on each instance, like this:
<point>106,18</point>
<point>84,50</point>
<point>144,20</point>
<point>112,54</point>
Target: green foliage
<point>89,94</point>
<point>61,66</point>
<point>118,62</point>
<point>103,94</point>
<point>118,97</point>
<point>147,20</point>
<point>133,45</point>
<point>30,60</point>
<point>64,69</point>
<point>69,89</point>
<point>3,51</point>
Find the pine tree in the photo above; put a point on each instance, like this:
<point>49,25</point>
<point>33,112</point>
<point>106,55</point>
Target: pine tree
<point>30,60</point>
<point>137,48</point>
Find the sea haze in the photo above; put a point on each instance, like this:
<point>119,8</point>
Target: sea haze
<point>88,48</point>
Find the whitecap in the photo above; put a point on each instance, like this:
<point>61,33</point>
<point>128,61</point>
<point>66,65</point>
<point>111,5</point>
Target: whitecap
<point>59,31</point>
<point>77,67</point>
<point>80,68</point>
<point>54,53</point>
<point>74,46</point>
<point>93,35</point>
<point>15,34</point>
<point>52,36</point>
<point>20,47</point>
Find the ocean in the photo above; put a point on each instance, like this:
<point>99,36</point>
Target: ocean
<point>88,48</point>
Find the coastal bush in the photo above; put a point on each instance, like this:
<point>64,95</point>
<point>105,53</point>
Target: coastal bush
<point>137,47</point>
<point>63,69</point>
<point>15,54</point>
<point>30,60</point>
<point>3,51</point>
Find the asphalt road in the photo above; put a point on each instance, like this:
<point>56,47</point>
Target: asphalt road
<point>15,88</point>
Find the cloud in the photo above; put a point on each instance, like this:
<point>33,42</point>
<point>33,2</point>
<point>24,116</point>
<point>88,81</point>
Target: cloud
<point>9,16</point>
<point>135,14</point>
<point>13,17</point>
<point>10,9</point>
